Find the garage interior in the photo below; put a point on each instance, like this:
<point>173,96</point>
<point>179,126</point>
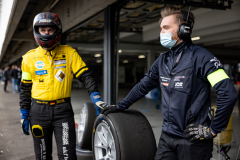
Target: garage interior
<point>139,37</point>
<point>135,45</point>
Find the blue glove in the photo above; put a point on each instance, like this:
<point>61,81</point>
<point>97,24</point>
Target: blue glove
<point>98,102</point>
<point>24,121</point>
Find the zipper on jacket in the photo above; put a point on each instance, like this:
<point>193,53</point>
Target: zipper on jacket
<point>49,60</point>
<point>49,73</point>
<point>169,100</point>
<point>174,64</point>
<point>169,89</point>
<point>172,61</point>
<point>52,70</point>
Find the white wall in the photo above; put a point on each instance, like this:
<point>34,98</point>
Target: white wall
<point>6,10</point>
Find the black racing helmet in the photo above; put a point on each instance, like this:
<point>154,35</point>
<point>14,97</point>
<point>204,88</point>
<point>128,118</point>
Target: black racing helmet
<point>47,19</point>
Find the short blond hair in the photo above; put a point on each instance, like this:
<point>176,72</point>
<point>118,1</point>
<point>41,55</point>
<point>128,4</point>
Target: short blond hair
<point>172,10</point>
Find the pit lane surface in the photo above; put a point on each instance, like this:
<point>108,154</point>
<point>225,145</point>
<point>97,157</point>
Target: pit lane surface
<point>14,145</point>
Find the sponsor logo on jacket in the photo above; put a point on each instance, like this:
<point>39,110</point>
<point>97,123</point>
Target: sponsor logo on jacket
<point>60,61</point>
<point>39,64</point>
<point>216,62</point>
<point>165,84</point>
<point>41,72</point>
<point>165,79</point>
<point>179,85</point>
<point>60,75</point>
<point>177,78</point>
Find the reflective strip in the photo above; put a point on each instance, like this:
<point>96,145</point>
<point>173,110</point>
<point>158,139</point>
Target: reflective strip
<point>26,76</point>
<point>217,76</point>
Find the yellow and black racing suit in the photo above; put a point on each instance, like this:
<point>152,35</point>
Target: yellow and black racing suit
<point>46,90</point>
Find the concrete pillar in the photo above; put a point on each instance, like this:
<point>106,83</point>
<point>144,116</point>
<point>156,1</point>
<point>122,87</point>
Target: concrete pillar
<point>109,80</point>
<point>150,58</point>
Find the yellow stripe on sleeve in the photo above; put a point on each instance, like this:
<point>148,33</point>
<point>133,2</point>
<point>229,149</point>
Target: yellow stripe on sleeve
<point>26,81</point>
<point>26,76</point>
<point>81,71</point>
<point>217,76</point>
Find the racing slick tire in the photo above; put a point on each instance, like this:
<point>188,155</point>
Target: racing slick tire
<point>83,154</point>
<point>85,126</point>
<point>123,135</point>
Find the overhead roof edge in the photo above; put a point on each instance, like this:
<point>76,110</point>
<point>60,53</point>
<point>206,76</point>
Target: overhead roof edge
<point>15,15</point>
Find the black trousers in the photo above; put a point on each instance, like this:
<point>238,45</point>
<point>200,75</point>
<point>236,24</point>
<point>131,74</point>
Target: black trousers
<point>171,148</point>
<point>5,85</point>
<point>46,119</point>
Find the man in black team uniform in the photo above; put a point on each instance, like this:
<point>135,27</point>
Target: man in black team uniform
<point>185,74</point>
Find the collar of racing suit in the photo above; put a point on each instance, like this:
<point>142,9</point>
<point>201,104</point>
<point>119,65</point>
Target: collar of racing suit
<point>50,52</point>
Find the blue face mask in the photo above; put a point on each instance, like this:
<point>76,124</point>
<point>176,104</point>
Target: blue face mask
<point>166,40</point>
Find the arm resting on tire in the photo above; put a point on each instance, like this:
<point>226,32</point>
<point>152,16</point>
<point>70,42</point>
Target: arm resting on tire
<point>138,91</point>
<point>226,99</point>
<point>149,81</point>
<point>87,79</point>
<point>25,91</point>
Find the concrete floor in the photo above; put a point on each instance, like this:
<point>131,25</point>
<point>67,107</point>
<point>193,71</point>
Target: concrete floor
<point>16,146</point>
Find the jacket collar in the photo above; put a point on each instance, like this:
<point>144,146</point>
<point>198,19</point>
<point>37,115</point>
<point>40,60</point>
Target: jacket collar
<point>174,52</point>
<point>51,52</point>
<point>183,45</point>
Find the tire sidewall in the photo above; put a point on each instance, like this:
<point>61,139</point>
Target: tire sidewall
<point>86,137</point>
<point>80,144</point>
<point>106,120</point>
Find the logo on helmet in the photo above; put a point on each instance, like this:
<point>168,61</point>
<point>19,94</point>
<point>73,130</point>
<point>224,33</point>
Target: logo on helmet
<point>45,20</point>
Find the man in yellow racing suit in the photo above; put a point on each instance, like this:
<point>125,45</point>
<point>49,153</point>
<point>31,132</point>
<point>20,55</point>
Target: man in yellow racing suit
<point>45,91</point>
